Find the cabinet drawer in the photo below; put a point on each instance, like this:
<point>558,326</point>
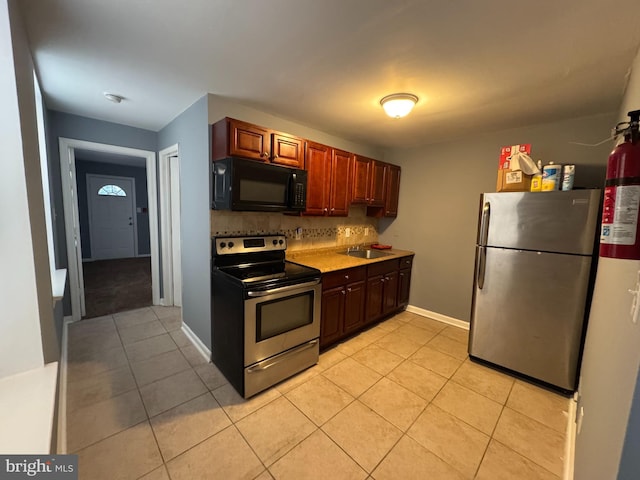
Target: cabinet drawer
<point>381,268</point>
<point>406,262</point>
<point>342,277</point>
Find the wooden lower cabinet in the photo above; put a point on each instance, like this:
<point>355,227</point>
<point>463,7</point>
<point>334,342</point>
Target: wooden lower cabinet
<point>354,307</point>
<point>404,281</point>
<point>355,297</point>
<point>375,298</point>
<point>332,320</point>
<point>343,295</point>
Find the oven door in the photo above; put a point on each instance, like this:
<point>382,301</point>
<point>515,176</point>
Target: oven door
<point>279,319</point>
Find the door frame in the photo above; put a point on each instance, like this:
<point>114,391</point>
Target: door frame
<point>134,215</point>
<point>169,191</point>
<point>67,148</point>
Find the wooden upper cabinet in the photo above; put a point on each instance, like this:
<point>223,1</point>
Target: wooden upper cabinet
<point>234,138</point>
<point>392,190</point>
<point>329,180</point>
<point>340,195</point>
<point>287,150</point>
<point>361,179</point>
<point>377,185</point>
<point>318,166</point>
<point>368,181</point>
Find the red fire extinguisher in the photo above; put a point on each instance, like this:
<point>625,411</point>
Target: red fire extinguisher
<point>619,234</point>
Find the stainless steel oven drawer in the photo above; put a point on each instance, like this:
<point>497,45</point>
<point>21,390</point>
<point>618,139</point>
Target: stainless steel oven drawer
<point>262,375</point>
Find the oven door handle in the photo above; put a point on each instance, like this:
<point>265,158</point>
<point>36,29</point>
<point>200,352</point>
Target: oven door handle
<point>298,286</point>
<point>281,357</point>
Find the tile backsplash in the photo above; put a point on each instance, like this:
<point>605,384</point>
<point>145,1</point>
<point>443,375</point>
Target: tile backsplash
<point>315,232</point>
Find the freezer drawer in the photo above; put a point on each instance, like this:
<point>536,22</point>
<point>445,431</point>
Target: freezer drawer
<point>528,312</point>
<point>563,222</point>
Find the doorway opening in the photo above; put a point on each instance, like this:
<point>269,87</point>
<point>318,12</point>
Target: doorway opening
<point>114,235</point>
<point>169,206</point>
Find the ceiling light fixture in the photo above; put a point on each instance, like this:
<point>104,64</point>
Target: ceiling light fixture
<point>398,105</point>
<point>112,97</point>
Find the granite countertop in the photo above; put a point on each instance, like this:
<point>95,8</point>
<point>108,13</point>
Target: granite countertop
<point>329,260</point>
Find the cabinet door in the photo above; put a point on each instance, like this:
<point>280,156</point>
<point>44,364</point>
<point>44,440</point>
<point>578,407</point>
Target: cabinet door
<point>318,166</point>
<point>390,292</point>
<point>361,180</point>
<point>375,298</point>
<point>340,183</point>
<point>287,150</point>
<point>404,285</point>
<point>377,185</point>
<point>354,307</point>
<point>248,141</point>
<point>392,190</point>
<point>332,317</point>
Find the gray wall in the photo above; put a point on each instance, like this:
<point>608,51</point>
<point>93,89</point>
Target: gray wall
<point>608,443</point>
<point>630,462</point>
<point>76,127</point>
<point>439,195</point>
<point>190,131</point>
<point>83,168</point>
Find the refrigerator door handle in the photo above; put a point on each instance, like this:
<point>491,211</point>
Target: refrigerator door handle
<point>482,266</point>
<point>484,224</point>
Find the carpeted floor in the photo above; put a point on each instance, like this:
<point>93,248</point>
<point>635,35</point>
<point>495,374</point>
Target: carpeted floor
<point>112,286</point>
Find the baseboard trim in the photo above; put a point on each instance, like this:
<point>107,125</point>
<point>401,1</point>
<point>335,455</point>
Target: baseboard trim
<point>438,316</point>
<point>62,391</point>
<point>193,338</point>
<point>570,439</point>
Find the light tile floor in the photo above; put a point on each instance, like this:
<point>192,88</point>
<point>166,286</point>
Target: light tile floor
<point>399,401</point>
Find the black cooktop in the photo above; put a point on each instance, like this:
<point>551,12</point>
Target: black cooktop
<point>270,273</point>
<point>257,262</point>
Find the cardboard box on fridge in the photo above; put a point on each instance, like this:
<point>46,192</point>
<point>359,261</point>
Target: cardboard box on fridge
<point>512,180</point>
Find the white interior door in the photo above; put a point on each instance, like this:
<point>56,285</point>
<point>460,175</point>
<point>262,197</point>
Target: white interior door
<point>169,206</point>
<point>174,169</point>
<point>112,217</point>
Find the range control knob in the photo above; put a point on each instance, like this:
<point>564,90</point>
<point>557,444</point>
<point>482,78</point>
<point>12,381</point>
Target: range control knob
<point>275,242</point>
<point>280,241</point>
<point>222,244</point>
<point>230,244</point>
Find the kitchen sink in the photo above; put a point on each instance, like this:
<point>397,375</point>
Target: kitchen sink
<point>368,253</point>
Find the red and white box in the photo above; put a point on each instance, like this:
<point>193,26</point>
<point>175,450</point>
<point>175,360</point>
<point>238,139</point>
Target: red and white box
<point>506,152</point>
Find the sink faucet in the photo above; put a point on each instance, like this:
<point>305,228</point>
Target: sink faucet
<point>353,248</point>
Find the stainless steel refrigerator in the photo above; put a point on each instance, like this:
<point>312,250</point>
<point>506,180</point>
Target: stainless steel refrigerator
<point>533,274</point>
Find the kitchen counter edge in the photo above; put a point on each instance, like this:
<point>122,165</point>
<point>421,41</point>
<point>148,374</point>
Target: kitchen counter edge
<point>334,261</point>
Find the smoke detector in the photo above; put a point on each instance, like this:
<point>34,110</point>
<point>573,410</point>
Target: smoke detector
<point>112,97</point>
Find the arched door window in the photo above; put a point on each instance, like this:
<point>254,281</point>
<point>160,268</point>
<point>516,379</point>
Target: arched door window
<point>112,191</point>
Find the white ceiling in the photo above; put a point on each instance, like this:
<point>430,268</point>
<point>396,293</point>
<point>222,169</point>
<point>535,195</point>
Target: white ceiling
<point>476,65</point>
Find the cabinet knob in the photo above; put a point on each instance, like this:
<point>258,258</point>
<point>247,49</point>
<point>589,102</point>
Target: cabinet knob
<point>343,292</point>
<point>346,277</point>
<point>275,156</point>
<point>332,209</point>
<point>265,154</point>
<point>382,280</point>
<point>349,289</point>
<point>326,209</point>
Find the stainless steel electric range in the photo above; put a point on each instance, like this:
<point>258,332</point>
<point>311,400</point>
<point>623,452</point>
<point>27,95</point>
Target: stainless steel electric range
<point>265,312</point>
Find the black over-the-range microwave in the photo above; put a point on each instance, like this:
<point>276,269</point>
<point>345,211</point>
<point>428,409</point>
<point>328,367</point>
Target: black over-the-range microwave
<point>249,185</point>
